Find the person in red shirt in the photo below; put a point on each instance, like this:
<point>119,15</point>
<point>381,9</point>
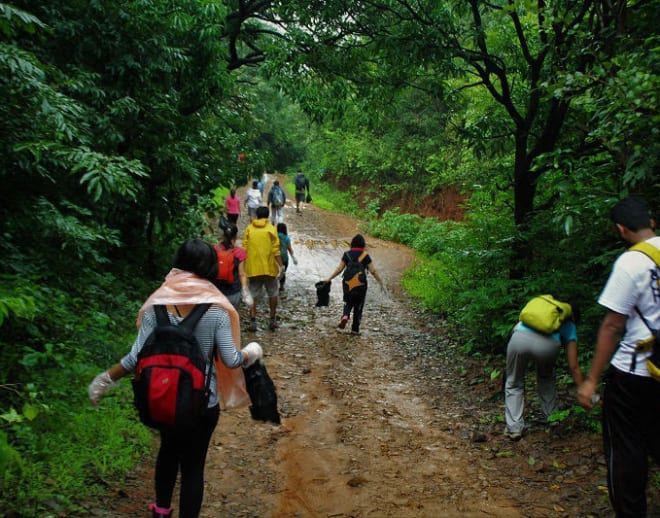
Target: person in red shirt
<point>233,207</point>
<point>238,289</point>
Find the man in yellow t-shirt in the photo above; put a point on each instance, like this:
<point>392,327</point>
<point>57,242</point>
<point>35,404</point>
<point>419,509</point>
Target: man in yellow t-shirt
<point>263,265</point>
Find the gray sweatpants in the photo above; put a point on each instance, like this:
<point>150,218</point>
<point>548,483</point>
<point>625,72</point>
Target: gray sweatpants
<point>525,347</point>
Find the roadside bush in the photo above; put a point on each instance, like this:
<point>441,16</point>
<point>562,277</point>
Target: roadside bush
<point>400,228</point>
<point>55,449</point>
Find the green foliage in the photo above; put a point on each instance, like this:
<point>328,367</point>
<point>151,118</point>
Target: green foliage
<point>14,303</point>
<point>64,337</point>
<point>71,453</point>
<point>393,226</point>
<point>462,269</point>
<point>576,417</point>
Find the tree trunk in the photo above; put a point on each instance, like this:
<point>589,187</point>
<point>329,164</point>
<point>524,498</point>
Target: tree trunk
<point>524,190</point>
<point>524,187</point>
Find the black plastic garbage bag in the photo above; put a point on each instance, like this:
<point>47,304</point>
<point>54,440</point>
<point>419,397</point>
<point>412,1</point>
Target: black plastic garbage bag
<point>322,293</point>
<point>262,393</point>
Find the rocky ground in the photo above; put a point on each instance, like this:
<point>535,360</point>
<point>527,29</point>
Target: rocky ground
<point>391,423</point>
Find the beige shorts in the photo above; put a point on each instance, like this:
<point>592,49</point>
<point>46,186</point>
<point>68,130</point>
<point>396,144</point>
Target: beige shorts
<point>263,282</point>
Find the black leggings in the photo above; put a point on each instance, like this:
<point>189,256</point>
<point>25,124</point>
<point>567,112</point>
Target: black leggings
<point>188,453</point>
<point>356,304</point>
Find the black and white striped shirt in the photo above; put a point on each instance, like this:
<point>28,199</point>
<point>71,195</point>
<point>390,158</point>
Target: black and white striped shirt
<point>212,329</point>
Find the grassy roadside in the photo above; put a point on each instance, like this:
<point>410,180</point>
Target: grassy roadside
<point>57,452</point>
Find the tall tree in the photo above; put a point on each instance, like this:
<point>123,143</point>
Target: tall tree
<point>532,58</point>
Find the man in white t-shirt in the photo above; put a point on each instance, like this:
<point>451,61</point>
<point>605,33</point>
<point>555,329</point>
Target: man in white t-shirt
<point>631,397</point>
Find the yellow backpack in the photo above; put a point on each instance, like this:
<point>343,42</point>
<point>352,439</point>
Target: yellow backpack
<point>545,314</point>
<point>650,344</point>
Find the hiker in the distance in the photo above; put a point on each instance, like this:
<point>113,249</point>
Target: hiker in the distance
<point>302,190</point>
<point>530,345</point>
<point>187,284</point>
<point>276,201</point>
<point>237,287</point>
<point>253,199</point>
<point>355,263</point>
<point>233,207</point>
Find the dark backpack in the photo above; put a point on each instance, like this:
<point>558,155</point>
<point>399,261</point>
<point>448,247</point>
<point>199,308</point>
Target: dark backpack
<point>172,380</point>
<point>301,182</point>
<point>354,277</point>
<point>277,197</point>
<point>226,266</point>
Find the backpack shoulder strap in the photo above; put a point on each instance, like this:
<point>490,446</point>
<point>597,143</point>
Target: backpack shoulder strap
<point>648,250</point>
<point>193,317</point>
<point>161,315</point>
<point>358,260</point>
<point>654,254</point>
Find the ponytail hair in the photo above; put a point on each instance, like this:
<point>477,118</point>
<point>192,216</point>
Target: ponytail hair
<point>229,232</point>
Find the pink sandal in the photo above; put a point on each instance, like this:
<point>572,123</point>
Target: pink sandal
<point>159,512</point>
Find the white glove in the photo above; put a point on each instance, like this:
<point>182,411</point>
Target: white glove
<point>99,386</point>
<point>247,297</point>
<point>295,261</point>
<point>254,352</point>
<point>280,272</point>
<point>384,290</point>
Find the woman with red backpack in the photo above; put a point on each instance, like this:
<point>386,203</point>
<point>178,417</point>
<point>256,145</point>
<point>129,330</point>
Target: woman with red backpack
<point>232,279</point>
<point>187,286</point>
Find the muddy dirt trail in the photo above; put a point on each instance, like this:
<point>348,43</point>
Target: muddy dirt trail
<point>386,424</point>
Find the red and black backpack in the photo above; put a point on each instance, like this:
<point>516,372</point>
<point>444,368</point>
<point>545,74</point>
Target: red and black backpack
<point>172,380</point>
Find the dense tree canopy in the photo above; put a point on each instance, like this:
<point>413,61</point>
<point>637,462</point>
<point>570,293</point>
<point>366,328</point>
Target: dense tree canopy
<point>519,80</point>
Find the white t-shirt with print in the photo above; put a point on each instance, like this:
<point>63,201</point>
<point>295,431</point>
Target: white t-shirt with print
<point>253,198</point>
<point>633,283</point>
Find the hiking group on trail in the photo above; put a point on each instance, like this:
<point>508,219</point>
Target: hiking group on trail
<point>187,358</point>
